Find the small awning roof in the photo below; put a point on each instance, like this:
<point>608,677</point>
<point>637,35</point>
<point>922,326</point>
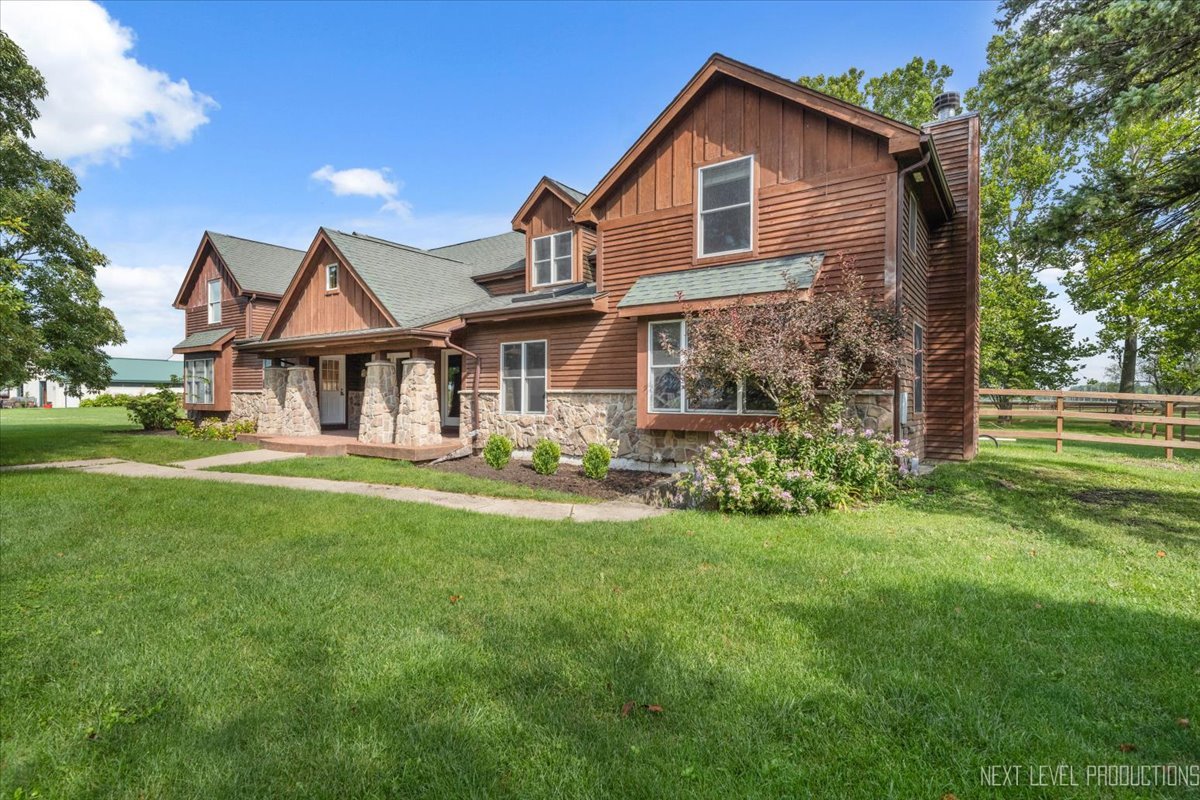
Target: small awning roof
<point>729,280</point>
<point>202,339</point>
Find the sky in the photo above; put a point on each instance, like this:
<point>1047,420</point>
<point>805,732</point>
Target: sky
<point>422,123</point>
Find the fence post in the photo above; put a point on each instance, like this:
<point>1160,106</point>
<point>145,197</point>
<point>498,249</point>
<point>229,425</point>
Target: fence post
<point>1170,429</point>
<point>1058,406</point>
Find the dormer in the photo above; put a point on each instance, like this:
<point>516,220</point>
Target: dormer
<point>556,248</point>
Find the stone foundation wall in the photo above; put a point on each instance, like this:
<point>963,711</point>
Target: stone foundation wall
<point>245,405</point>
<point>874,410</point>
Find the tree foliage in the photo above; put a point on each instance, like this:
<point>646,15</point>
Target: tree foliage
<point>52,322</point>
<point>905,93</point>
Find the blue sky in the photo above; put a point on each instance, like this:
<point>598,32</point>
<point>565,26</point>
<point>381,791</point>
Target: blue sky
<point>456,109</point>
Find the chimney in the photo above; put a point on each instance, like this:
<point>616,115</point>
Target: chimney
<point>947,105</point>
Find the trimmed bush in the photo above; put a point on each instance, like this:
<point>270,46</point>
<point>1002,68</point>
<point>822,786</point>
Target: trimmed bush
<point>106,401</point>
<point>155,412</point>
<point>497,451</point>
<point>545,457</point>
<point>595,461</point>
<point>797,470</point>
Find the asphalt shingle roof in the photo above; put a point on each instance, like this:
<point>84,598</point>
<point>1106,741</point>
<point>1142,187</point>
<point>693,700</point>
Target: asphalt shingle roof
<point>751,277</point>
<point>574,193</point>
<point>257,266</point>
<point>493,254</point>
<point>204,338</point>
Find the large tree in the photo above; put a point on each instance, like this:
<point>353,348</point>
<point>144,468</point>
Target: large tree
<point>905,93</point>
<point>52,322</point>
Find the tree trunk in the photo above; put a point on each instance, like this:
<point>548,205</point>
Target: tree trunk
<point>1128,370</point>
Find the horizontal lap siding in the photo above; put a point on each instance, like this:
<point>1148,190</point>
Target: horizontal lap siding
<point>233,308</point>
<point>951,395</point>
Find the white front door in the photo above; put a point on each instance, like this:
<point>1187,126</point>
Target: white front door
<point>331,395</point>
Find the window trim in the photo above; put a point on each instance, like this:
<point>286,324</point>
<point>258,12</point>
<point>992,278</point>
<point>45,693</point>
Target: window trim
<point>524,410</point>
<point>334,270</point>
<point>210,304</point>
<point>918,375</point>
<point>700,211</point>
<point>208,376</point>
<point>685,407</point>
<point>533,281</point>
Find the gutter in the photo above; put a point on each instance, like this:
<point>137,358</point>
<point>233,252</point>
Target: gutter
<point>901,199</point>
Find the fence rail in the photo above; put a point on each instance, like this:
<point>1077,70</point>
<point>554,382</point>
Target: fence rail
<point>1161,408</point>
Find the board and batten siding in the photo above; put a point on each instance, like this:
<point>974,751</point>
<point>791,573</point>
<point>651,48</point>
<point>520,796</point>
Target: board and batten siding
<point>312,309</point>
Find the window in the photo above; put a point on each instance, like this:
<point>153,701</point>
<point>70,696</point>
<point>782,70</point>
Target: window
<point>523,377</point>
<point>198,380</point>
<point>667,395</point>
<point>214,301</point>
<point>725,213</point>
<point>918,369</point>
<point>331,277</point>
<point>552,258</point>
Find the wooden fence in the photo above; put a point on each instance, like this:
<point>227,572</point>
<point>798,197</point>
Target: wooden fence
<point>1149,411</point>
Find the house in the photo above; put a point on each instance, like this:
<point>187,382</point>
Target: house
<point>550,330</point>
<point>132,376</point>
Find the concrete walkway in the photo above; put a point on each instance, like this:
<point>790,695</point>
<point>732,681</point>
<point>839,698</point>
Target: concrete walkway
<point>611,511</point>
<point>234,459</point>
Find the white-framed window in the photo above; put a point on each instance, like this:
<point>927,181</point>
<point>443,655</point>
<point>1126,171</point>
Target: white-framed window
<point>523,377</point>
<point>552,258</point>
<point>331,277</point>
<point>214,301</point>
<point>198,380</point>
<point>667,396</point>
<point>725,191</point>
<point>918,369</point>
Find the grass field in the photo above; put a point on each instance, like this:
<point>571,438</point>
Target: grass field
<point>173,639</point>
<point>1015,425</point>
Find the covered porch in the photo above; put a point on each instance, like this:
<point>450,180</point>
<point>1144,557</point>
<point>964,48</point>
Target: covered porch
<point>386,392</point>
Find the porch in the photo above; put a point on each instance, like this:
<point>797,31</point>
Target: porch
<point>345,442</point>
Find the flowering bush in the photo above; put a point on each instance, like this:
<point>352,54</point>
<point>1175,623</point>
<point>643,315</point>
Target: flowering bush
<point>212,429</point>
<point>797,470</point>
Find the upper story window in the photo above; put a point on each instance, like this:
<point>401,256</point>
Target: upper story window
<point>667,394</point>
<point>214,301</point>
<point>918,369</point>
<point>725,221</point>
<point>552,258</point>
<point>331,277</point>
<point>523,377</point>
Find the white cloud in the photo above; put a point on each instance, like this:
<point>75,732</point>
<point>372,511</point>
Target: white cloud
<point>141,298</point>
<point>100,99</point>
<point>364,182</point>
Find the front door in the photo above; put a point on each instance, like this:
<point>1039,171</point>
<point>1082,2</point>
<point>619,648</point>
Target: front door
<point>451,384</point>
<point>331,398</point>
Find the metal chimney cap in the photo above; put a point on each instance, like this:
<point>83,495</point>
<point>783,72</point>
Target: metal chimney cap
<point>947,105</point>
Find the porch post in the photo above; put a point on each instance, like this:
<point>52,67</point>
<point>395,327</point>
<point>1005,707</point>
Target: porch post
<point>274,394</point>
<point>419,419</point>
<point>377,420</point>
<point>300,414</point>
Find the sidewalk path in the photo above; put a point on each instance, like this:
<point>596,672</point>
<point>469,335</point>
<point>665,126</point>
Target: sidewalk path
<point>234,459</point>
<point>611,511</point>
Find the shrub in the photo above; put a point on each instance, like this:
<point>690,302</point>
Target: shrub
<point>106,401</point>
<point>797,470</point>
<point>186,428</point>
<point>245,425</point>
<point>157,412</point>
<point>595,461</point>
<point>497,451</point>
<point>545,457</point>
<point>212,429</point>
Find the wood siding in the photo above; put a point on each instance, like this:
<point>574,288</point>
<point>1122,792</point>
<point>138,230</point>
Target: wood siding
<point>952,335</point>
<point>508,284</point>
<point>312,309</point>
<point>233,307</point>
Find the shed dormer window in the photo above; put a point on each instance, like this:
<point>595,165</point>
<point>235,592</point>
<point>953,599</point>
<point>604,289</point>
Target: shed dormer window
<point>725,212</point>
<point>552,258</point>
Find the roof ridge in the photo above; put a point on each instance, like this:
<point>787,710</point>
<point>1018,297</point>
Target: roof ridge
<point>398,245</point>
<point>254,241</point>
<point>471,241</point>
<point>567,186</point>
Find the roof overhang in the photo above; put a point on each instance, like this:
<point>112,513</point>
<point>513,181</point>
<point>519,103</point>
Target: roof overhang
<point>901,137</point>
<point>194,267</point>
<point>546,184</point>
<point>214,346</point>
<point>595,303</point>
<point>347,342</point>
<point>684,306</point>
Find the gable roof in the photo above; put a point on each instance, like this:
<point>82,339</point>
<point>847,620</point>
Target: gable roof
<point>571,197</point>
<point>729,280</point>
<point>256,267</point>
<point>901,136</point>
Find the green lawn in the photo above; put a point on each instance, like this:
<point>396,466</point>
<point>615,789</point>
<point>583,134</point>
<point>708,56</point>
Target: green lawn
<point>1097,428</point>
<point>177,639</point>
<point>29,435</point>
<point>401,473</point>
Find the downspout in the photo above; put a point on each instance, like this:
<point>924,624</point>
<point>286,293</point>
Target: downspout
<point>901,200</point>
<point>474,392</point>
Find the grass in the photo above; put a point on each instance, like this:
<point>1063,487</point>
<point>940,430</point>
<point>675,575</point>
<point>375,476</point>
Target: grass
<point>160,638</point>
<point>31,435</point>
<point>1098,428</point>
<point>402,473</point>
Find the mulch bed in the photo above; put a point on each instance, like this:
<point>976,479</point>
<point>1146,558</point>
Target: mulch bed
<point>569,478</point>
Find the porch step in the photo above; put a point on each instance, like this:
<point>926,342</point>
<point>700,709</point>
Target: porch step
<point>327,445</point>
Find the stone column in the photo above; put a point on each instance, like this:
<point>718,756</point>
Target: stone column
<point>419,419</point>
<point>300,414</point>
<point>274,392</point>
<point>377,419</point>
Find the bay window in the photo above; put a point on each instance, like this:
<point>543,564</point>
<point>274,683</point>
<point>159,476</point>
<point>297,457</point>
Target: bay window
<point>198,381</point>
<point>214,301</point>
<point>523,377</point>
<point>552,259</point>
<point>725,192</point>
<point>667,394</point>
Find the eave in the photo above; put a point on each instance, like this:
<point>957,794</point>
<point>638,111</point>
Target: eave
<point>544,185</point>
<point>597,304</point>
<point>682,306</point>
